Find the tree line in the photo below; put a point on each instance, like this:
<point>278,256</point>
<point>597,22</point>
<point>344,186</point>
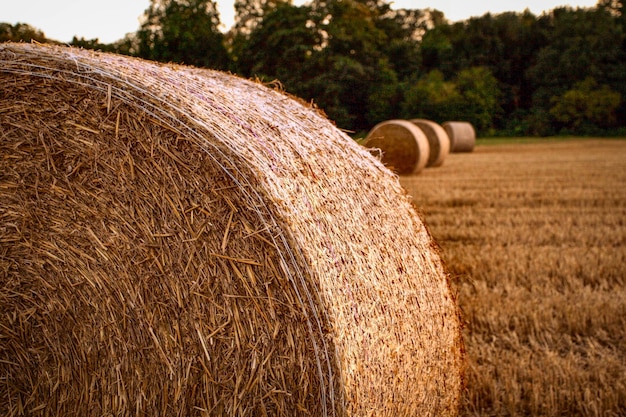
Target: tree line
<point>362,62</point>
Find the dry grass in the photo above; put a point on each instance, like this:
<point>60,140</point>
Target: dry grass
<point>438,141</point>
<point>182,242</point>
<point>462,136</point>
<point>403,147</point>
<point>535,238</point>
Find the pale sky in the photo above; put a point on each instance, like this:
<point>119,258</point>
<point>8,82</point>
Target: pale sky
<point>110,20</point>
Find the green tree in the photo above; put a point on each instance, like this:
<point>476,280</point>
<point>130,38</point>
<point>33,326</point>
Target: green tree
<point>505,44</point>
<point>385,98</point>
<point>183,31</point>
<point>354,71</point>
<point>437,49</point>
<point>250,13</point>
<point>432,97</point>
<point>480,96</point>
<point>471,96</point>
<point>404,30</point>
<point>125,46</point>
<point>581,43</point>
<point>615,8</point>
<point>586,105</point>
<point>280,46</point>
<point>92,44</point>
<point>330,52</point>
<point>20,32</point>
<point>349,56</point>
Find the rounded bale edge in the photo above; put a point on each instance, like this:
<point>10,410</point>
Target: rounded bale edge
<point>404,147</point>
<point>182,240</point>
<point>438,140</point>
<point>462,136</point>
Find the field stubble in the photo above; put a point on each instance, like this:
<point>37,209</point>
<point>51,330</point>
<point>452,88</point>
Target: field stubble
<point>534,237</point>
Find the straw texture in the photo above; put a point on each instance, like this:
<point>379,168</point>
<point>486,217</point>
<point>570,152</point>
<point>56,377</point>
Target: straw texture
<point>182,242</point>
<point>462,136</point>
<point>438,141</point>
<point>404,147</point>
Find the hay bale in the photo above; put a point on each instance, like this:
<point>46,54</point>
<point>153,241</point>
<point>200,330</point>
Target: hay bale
<point>179,242</point>
<point>438,141</point>
<point>403,145</point>
<point>462,136</point>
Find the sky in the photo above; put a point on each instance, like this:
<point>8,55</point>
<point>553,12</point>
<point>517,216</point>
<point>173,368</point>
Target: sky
<point>110,20</point>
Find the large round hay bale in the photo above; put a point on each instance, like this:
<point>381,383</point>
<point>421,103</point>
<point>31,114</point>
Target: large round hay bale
<point>182,242</point>
<point>462,136</point>
<point>438,141</point>
<point>403,145</point>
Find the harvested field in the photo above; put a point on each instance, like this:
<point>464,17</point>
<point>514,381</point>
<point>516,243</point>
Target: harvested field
<point>534,235</point>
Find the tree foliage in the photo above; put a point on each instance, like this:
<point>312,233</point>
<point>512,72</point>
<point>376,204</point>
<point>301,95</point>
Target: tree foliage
<point>20,32</point>
<point>583,43</point>
<point>586,104</point>
<point>432,97</point>
<point>505,44</point>
<point>363,62</point>
<point>479,90</point>
<point>286,33</point>
<point>250,13</point>
<point>183,31</point>
<point>350,60</point>
<point>472,96</point>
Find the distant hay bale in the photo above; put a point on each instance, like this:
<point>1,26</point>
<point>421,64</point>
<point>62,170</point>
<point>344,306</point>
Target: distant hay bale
<point>404,146</point>
<point>462,136</point>
<point>181,242</point>
<point>438,141</point>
